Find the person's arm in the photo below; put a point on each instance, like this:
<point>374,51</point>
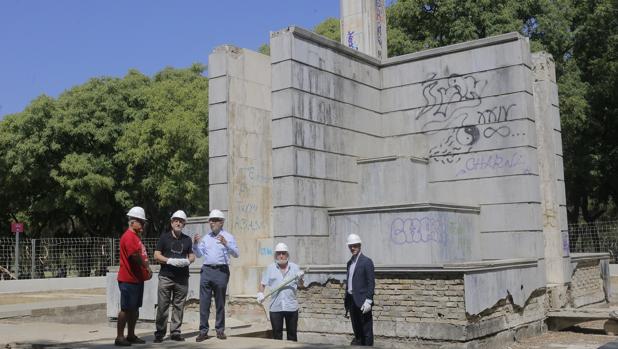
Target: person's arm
<point>191,257</point>
<point>232,247</point>
<point>198,246</point>
<point>159,257</point>
<point>371,279</point>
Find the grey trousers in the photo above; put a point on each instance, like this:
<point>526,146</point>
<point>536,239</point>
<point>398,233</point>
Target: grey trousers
<point>213,281</point>
<point>174,294</point>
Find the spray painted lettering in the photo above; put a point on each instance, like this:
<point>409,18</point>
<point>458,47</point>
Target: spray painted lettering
<point>491,162</point>
<point>419,230</point>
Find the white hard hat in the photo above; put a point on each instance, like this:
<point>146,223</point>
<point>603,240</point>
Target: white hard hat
<point>281,247</point>
<point>216,214</point>
<point>180,214</point>
<point>137,212</point>
<point>354,239</point>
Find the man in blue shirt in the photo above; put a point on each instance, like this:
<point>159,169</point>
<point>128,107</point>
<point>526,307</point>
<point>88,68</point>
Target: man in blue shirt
<point>283,304</point>
<point>217,247</point>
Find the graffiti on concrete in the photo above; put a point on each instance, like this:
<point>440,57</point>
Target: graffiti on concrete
<point>454,106</point>
<point>428,229</point>
<point>492,162</point>
<point>351,40</point>
<point>379,20</point>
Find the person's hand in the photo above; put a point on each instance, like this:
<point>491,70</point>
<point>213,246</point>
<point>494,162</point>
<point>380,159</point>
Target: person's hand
<point>366,307</point>
<point>221,239</point>
<point>196,238</point>
<point>260,297</point>
<point>183,262</point>
<point>300,274</point>
<point>149,274</point>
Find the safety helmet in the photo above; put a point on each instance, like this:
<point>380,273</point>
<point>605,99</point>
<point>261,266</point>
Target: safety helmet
<point>137,212</point>
<point>354,239</point>
<point>281,247</point>
<point>180,214</point>
<point>216,214</point>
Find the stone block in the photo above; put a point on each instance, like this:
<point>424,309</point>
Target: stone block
<point>249,93</point>
<point>218,196</point>
<point>217,89</point>
<point>312,192</point>
<point>301,221</point>
<point>316,164</point>
<point>483,164</point>
<point>511,217</point>
<point>460,62</point>
<point>217,170</point>
<point>280,45</point>
<point>327,59</point>
<point>290,102</point>
<point>217,62</point>
<point>505,245</point>
<point>392,181</point>
<point>282,76</point>
<point>217,116</point>
<point>325,84</point>
<point>218,143</point>
<point>494,190</point>
<point>469,88</point>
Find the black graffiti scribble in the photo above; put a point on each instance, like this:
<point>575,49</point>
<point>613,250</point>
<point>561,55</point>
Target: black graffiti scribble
<point>489,116</point>
<point>503,131</point>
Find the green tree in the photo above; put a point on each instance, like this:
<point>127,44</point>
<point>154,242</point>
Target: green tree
<point>329,28</point>
<point>76,164</point>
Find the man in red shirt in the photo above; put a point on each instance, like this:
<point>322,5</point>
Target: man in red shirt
<point>134,270</point>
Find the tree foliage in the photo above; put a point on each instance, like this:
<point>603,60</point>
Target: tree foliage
<point>76,164</point>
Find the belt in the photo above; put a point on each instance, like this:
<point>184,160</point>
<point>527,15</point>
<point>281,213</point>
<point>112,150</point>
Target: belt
<point>216,266</point>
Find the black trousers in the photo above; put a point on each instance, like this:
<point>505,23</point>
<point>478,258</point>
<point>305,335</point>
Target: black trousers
<point>362,325</point>
<point>291,324</point>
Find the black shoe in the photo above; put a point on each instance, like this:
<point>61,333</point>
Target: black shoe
<point>355,342</point>
<point>158,339</point>
<point>221,335</point>
<point>177,337</point>
<point>202,337</point>
<point>122,342</point>
<point>135,340</point>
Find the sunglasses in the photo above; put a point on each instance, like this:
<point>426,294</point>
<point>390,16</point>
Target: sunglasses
<point>280,252</point>
<point>215,220</point>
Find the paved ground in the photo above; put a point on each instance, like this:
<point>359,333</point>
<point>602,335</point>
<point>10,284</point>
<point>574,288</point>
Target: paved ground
<point>19,330</point>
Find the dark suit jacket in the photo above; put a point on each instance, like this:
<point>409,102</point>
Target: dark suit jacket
<point>363,282</point>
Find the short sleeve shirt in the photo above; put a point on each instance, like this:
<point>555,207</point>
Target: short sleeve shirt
<point>171,247</point>
<point>284,299</point>
<point>129,271</point>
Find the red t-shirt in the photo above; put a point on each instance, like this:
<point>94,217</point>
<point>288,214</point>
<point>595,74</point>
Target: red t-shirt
<point>130,271</point>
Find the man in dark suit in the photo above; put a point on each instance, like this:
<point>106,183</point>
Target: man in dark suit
<point>359,291</point>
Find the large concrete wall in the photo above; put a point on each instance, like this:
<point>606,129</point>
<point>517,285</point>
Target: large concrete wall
<point>431,157</point>
<point>240,157</point>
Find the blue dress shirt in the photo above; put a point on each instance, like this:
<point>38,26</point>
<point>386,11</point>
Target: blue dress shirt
<point>214,252</point>
<point>285,298</point>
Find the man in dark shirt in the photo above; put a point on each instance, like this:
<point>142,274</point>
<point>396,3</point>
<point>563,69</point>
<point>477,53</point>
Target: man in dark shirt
<point>174,253</point>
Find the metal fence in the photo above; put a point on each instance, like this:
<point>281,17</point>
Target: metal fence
<point>73,257</point>
<point>595,237</point>
<point>61,257</point>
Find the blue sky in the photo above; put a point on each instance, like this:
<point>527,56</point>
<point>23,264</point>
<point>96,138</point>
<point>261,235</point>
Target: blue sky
<point>49,46</point>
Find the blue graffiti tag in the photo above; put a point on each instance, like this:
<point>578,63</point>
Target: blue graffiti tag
<point>419,230</point>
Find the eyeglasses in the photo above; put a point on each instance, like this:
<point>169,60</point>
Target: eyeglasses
<point>280,252</point>
<point>215,220</point>
<point>178,220</point>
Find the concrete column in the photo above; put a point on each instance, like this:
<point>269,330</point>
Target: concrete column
<point>240,161</point>
<point>549,148</point>
<point>363,26</point>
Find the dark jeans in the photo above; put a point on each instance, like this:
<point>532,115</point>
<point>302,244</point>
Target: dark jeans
<point>174,294</point>
<point>362,325</point>
<point>213,281</point>
<point>291,324</point>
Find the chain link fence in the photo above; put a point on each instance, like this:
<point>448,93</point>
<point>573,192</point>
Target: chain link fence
<point>61,257</point>
<point>595,237</point>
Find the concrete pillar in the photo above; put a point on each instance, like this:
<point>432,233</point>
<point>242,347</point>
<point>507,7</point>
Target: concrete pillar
<point>363,26</point>
<point>240,157</point>
<point>551,173</point>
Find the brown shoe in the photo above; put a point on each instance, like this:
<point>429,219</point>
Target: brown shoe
<point>202,337</point>
<point>221,335</point>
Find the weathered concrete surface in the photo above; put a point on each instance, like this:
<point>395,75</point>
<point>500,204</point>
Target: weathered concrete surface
<point>363,26</point>
<point>52,284</point>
